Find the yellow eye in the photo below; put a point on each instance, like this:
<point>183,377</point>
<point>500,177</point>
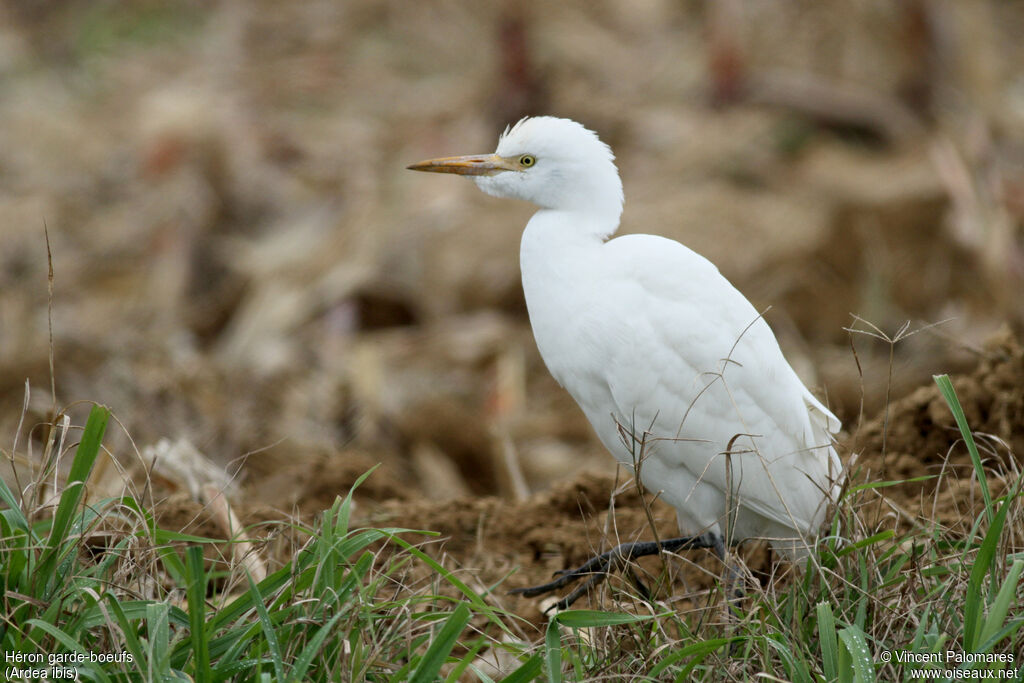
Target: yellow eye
<point>527,160</point>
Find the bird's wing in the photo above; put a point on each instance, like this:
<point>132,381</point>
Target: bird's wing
<point>690,354</point>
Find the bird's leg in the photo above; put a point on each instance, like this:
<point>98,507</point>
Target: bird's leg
<point>733,585</point>
<point>599,566</point>
<point>733,589</point>
<point>639,584</point>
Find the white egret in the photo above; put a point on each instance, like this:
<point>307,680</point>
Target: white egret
<point>681,378</point>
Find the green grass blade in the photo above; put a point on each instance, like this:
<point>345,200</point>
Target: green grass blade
<point>159,640</point>
<point>71,498</point>
<point>529,670</point>
<point>585,618</point>
<point>886,484</point>
<point>698,651</point>
<point>553,652</point>
<point>858,654</point>
<point>172,564</point>
<point>974,601</point>
<point>857,545</point>
<point>444,641</point>
<point>403,674</point>
<point>60,636</point>
<point>130,634</point>
<point>465,661</point>
<point>340,512</point>
<point>14,514</point>
<point>829,642</point>
<point>1005,632</point>
<point>474,598</point>
<point>795,666</point>
<point>89,446</point>
<point>197,612</point>
<point>312,649</point>
<point>157,621</point>
<point>1001,605</point>
<point>163,536</point>
<point>949,393</point>
<point>268,629</point>
<point>133,610</point>
<point>16,548</point>
<point>94,672</point>
<point>277,581</point>
<point>922,627</point>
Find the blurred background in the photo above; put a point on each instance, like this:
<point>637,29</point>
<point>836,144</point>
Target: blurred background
<point>242,265</point>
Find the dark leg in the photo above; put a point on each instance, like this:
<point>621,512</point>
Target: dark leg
<point>733,581</point>
<point>598,567</point>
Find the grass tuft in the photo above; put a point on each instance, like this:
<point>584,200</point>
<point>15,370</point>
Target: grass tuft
<point>339,611</point>
<point>352,604</point>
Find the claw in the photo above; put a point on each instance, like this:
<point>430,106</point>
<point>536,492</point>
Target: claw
<point>598,567</point>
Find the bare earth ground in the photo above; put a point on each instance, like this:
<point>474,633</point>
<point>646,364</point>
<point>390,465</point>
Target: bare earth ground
<point>242,264</point>
<point>489,538</point>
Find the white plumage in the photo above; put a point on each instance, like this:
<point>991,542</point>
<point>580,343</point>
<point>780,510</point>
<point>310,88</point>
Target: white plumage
<point>659,349</point>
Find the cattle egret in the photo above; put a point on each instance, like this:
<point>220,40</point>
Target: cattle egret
<point>681,378</point>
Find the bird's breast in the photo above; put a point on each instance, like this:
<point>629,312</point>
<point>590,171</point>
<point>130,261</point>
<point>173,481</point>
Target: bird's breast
<point>565,308</point>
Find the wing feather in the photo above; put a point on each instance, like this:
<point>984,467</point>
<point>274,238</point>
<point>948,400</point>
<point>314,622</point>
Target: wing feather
<point>691,359</point>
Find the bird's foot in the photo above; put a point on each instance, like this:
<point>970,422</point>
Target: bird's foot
<point>597,568</point>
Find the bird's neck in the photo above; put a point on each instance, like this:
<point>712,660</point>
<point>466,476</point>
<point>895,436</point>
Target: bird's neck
<point>569,228</point>
<point>559,248</point>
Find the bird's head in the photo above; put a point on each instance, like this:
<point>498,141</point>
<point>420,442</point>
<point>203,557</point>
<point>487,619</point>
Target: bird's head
<point>554,163</point>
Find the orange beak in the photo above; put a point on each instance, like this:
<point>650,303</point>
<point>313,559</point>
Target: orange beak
<point>474,164</point>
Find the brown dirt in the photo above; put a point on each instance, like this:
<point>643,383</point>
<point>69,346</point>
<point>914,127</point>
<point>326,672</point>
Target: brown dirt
<point>522,543</point>
<point>918,437</point>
